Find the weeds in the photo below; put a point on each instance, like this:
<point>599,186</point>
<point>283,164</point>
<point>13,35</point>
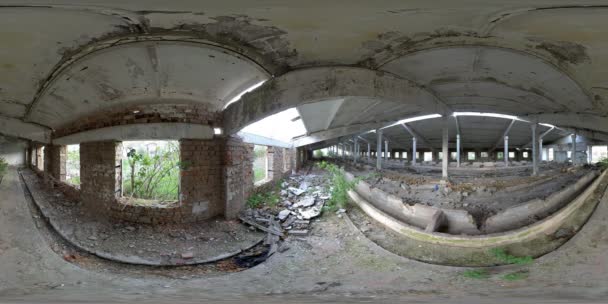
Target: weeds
<point>339,186</point>
<point>516,276</point>
<point>603,163</point>
<point>477,274</point>
<point>506,258</point>
<point>257,200</point>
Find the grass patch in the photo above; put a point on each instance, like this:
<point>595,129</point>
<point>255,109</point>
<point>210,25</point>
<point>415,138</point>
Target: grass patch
<point>477,274</point>
<point>603,163</point>
<point>338,186</point>
<point>258,200</point>
<point>506,258</point>
<point>516,276</point>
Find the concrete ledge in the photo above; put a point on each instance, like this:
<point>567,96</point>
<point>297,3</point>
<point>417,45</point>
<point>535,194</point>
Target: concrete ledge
<point>533,240</point>
<point>458,221</point>
<point>148,131</point>
<point>529,212</point>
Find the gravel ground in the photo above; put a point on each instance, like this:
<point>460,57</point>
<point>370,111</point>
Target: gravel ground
<point>335,263</point>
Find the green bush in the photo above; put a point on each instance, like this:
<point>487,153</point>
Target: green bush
<point>318,154</point>
<point>153,176</point>
<point>603,163</point>
<point>339,186</point>
<point>257,200</point>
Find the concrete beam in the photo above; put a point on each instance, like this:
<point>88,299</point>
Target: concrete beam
<point>148,131</point>
<point>504,134</point>
<point>262,140</point>
<point>312,85</point>
<point>418,137</point>
<point>16,128</point>
<point>589,121</point>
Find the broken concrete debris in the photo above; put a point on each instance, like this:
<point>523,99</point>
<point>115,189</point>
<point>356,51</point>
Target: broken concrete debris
<point>302,201</point>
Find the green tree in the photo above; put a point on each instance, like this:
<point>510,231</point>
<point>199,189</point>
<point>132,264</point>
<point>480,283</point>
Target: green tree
<point>153,176</point>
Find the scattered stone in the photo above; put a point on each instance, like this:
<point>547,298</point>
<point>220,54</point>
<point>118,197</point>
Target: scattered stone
<point>305,202</point>
<point>296,191</point>
<point>92,238</point>
<point>298,232</point>
<point>130,228</point>
<point>187,255</point>
<point>341,211</point>
<point>284,214</point>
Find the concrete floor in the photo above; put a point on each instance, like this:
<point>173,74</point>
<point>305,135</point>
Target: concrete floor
<point>336,263</point>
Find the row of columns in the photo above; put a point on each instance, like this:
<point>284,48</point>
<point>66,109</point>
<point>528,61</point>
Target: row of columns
<point>537,143</point>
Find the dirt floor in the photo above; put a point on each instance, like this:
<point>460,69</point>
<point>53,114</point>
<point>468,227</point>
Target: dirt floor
<point>334,263</point>
<point>482,196</point>
<point>138,243</point>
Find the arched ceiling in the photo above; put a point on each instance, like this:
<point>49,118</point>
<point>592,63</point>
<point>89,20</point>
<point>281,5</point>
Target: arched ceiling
<point>543,60</point>
<point>145,72</point>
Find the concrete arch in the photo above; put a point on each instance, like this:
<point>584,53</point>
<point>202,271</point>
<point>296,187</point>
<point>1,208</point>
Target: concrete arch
<point>312,85</point>
<point>139,71</point>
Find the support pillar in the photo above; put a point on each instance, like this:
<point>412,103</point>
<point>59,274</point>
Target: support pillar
<point>413,151</point>
<point>356,150</point>
<point>369,152</point>
<point>444,149</point>
<point>540,149</point>
<point>573,153</point>
<point>458,150</point>
<point>386,150</point>
<point>534,149</point>
<point>378,150</point>
<point>506,153</point>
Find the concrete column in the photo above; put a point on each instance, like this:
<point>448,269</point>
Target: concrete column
<point>356,150</point>
<point>379,149</point>
<point>534,149</point>
<point>573,136</point>
<point>369,151</point>
<point>457,150</point>
<point>413,151</point>
<point>589,153</point>
<point>386,150</point>
<point>444,149</point>
<point>540,150</point>
<point>506,153</point>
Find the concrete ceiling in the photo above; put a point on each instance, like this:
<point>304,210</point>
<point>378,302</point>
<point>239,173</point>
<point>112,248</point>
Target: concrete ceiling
<point>545,60</point>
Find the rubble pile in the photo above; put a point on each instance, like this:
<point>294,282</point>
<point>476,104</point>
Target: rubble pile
<point>301,199</point>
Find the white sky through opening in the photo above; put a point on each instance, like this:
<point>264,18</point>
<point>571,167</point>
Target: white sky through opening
<point>282,126</point>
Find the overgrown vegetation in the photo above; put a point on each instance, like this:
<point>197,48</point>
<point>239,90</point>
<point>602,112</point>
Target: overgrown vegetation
<point>515,276</point>
<point>73,166</point>
<point>318,154</point>
<point>259,163</point>
<point>476,274</point>
<point>3,167</point>
<point>338,186</point>
<point>152,174</point>
<point>506,258</point>
<point>603,163</point>
<point>270,198</point>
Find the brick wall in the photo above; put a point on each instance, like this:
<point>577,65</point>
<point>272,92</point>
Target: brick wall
<point>275,163</point>
<point>199,113</point>
<point>100,174</point>
<point>201,178</point>
<point>238,175</point>
<point>55,161</point>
